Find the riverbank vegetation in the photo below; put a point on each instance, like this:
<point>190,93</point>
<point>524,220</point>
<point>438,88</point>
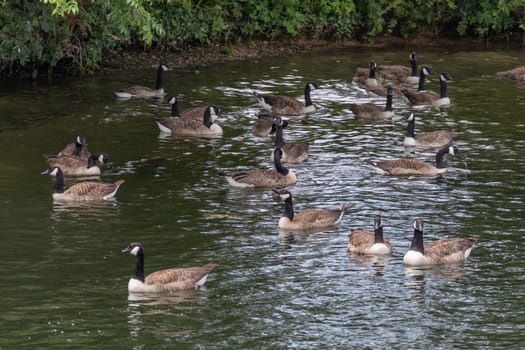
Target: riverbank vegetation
<point>73,36</point>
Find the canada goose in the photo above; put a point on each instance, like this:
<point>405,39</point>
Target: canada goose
<point>143,91</point>
<point>277,177</point>
<point>168,280</point>
<point>191,127</point>
<point>292,152</point>
<point>443,251</point>
<point>372,112</point>
<point>263,126</point>
<point>400,73</point>
<point>411,166</point>
<point>75,166</point>
<point>308,219</point>
<point>361,241</point>
<point>195,113</point>
<point>433,139</point>
<point>429,97</point>
<point>285,105</point>
<point>369,79</point>
<point>82,191</point>
<point>78,148</point>
<point>514,74</point>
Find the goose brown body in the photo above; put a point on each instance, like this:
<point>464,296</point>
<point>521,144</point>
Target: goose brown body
<point>78,148</point>
<point>292,152</point>
<point>444,251</point>
<point>310,219</point>
<point>373,112</point>
<point>83,191</point>
<point>76,166</point>
<point>411,166</point>
<point>192,127</point>
<point>285,105</point>
<point>401,73</point>
<point>362,241</point>
<point>517,73</point>
<point>432,139</point>
<point>421,97</point>
<point>144,91</point>
<point>270,178</point>
<point>168,280</point>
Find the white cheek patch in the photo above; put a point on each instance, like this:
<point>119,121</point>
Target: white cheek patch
<point>135,251</point>
<point>54,172</point>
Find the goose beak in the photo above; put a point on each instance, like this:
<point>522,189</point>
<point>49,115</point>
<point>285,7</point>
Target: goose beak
<point>126,250</point>
<point>45,172</point>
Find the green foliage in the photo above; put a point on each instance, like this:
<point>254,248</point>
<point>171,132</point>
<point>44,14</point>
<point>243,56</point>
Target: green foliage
<point>50,34</point>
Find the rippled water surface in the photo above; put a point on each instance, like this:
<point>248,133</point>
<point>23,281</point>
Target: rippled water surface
<point>64,280</point>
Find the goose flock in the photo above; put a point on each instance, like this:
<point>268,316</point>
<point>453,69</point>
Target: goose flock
<point>384,80</point>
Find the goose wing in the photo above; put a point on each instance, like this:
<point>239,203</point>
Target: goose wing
<point>138,90</point>
<point>449,250</point>
<point>262,126</point>
<point>436,138</point>
<point>283,104</point>
<point>394,71</point>
<point>381,90</point>
<point>359,240</point>
<point>260,178</point>
<point>65,161</point>
<point>187,276</point>
<point>295,152</point>
<point>405,166</point>
<point>194,113</point>
<point>420,97</point>
<point>93,189</point>
<point>516,73</point>
<point>179,125</point>
<point>319,217</point>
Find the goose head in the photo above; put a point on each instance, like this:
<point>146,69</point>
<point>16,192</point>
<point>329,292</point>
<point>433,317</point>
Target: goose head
<point>445,77</point>
<point>134,249</point>
<point>418,225</point>
<point>283,194</point>
<point>409,116</point>
<point>426,70</point>
<point>164,67</point>
<point>412,57</point>
<point>378,222</point>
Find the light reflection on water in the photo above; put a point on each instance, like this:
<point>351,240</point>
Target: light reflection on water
<point>272,288</point>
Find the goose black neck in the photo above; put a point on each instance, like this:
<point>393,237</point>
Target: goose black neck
<point>443,88</point>
<point>288,208</point>
<point>207,118</point>
<point>411,128</point>
<point>389,99</point>
<point>421,84</point>
<point>372,74</point>
<point>307,98</point>
<point>378,235</point>
<point>78,149</point>
<point>175,109</point>
<point>417,242</point>
<point>139,267</point>
<point>440,155</point>
<point>278,165</point>
<point>92,160</point>
<point>413,65</point>
<point>279,141</point>
<point>59,182</point>
<point>158,84</point>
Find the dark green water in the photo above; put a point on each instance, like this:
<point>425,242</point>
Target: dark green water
<point>64,280</point>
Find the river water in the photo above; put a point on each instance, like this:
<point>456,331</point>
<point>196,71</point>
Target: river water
<point>64,279</point>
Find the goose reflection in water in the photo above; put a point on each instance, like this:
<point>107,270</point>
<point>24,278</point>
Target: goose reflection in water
<point>375,262</point>
<point>177,304</point>
<point>64,211</point>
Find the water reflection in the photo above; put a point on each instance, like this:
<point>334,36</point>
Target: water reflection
<point>67,210</point>
<point>377,263</point>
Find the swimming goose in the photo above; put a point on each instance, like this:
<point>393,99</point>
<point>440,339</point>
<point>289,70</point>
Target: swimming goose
<point>143,91</point>
<point>195,113</point>
<point>421,97</point>
<point>308,219</point>
<point>361,241</point>
<point>168,280</point>
<point>75,166</point>
<point>277,177</point>
<point>514,74</point>
<point>284,105</point>
<point>443,251</point>
<point>263,126</point>
<point>411,166</point>
<point>433,139</point>
<point>401,73</point>
<point>372,112</point>
<point>191,127</point>
<point>367,78</point>
<point>78,148</point>
<point>83,191</point>
<point>292,152</point>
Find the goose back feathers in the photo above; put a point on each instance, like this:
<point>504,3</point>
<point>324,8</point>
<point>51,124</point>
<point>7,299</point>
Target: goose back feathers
<point>372,112</point>
<point>192,127</point>
<point>422,97</point>
<point>75,166</point>
<point>432,139</point>
<point>168,280</point>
